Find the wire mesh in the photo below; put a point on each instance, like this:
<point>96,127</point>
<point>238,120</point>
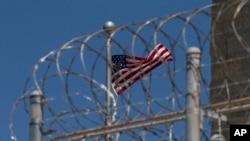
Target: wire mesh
<point>72,78</point>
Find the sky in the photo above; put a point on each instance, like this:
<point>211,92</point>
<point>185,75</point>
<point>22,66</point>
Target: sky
<point>30,29</point>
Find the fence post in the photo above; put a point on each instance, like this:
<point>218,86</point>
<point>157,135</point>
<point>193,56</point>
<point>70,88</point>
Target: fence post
<point>36,116</point>
<point>192,97</point>
<point>108,27</point>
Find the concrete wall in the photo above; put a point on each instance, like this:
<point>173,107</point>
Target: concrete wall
<point>230,59</point>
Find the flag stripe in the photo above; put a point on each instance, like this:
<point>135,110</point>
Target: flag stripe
<point>126,84</point>
<point>136,76</point>
<point>128,72</point>
<point>139,67</point>
<point>155,52</point>
<point>133,60</point>
<point>133,75</point>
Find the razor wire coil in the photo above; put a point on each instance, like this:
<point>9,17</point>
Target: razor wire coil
<point>72,78</point>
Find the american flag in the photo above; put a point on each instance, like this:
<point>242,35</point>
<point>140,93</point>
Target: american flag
<point>129,69</point>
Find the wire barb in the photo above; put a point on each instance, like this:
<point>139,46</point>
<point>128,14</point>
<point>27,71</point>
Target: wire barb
<point>72,78</point>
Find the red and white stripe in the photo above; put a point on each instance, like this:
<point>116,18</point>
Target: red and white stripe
<point>139,67</point>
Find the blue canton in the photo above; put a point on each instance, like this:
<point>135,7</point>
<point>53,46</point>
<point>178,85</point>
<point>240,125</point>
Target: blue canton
<point>119,62</point>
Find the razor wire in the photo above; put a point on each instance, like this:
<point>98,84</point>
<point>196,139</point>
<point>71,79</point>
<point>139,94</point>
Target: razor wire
<point>72,78</point>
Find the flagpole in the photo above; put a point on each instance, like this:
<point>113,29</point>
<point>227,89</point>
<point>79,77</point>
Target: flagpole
<point>108,27</point>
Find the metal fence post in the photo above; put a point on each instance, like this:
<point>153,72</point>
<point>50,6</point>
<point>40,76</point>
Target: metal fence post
<point>108,27</point>
<point>192,97</point>
<point>36,116</point>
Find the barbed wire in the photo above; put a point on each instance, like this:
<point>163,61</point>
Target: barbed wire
<point>72,78</point>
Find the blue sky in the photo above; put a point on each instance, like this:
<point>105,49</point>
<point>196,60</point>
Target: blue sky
<point>30,29</point>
